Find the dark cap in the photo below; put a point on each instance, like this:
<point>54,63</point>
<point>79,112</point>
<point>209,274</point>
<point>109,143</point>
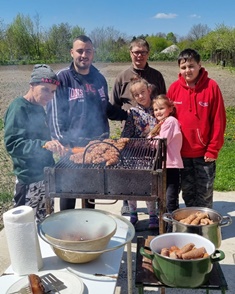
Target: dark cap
<point>43,73</point>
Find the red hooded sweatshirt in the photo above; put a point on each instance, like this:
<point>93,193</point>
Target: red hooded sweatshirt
<point>202,116</point>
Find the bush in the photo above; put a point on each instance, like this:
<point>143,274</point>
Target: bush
<point>164,56</point>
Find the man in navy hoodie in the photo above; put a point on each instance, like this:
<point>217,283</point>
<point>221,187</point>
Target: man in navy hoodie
<point>81,108</point>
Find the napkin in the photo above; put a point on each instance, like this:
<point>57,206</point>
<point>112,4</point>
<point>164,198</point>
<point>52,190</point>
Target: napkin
<point>22,240</point>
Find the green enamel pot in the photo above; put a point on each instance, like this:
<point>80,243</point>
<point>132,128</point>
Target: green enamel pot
<point>182,273</point>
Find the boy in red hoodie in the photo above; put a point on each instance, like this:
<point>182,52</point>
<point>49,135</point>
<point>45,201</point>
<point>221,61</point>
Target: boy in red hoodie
<point>201,113</point>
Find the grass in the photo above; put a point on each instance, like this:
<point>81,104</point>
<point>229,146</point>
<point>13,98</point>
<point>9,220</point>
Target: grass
<point>225,164</point>
<point>6,176</point>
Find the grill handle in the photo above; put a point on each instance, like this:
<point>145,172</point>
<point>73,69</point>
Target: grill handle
<point>102,203</point>
<point>102,142</point>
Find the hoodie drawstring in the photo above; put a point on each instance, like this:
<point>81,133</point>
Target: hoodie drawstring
<point>195,104</point>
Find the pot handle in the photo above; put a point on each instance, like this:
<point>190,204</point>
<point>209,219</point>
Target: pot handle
<point>167,217</point>
<point>145,254</point>
<point>226,221</point>
<point>214,256</point>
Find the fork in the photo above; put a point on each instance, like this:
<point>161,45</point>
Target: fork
<point>27,290</point>
<point>24,290</point>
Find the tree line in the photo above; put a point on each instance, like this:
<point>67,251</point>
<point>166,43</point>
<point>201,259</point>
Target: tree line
<point>24,41</point>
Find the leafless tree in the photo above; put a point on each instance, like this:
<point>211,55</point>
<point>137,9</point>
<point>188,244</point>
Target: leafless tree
<point>198,31</point>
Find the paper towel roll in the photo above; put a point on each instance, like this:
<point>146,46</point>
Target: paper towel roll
<point>22,240</point>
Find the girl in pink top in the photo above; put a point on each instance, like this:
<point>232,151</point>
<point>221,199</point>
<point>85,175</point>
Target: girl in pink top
<point>168,127</point>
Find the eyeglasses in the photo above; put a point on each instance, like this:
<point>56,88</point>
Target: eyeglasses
<point>136,53</point>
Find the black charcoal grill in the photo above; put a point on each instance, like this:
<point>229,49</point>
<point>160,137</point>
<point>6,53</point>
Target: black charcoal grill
<point>139,174</point>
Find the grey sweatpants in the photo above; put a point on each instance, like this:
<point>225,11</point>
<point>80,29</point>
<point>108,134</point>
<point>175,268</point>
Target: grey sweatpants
<point>151,206</point>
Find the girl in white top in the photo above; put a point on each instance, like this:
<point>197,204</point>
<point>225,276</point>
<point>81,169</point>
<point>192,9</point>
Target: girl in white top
<point>168,127</point>
<point>138,125</point>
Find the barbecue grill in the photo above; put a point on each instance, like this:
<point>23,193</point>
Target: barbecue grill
<point>139,174</point>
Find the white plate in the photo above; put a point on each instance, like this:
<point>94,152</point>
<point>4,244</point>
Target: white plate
<point>71,281</point>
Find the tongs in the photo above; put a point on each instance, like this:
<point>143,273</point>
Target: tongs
<point>72,150</point>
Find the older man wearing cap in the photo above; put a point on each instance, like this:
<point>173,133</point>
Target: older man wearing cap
<point>26,133</point>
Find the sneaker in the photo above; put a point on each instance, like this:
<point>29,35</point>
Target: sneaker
<point>125,210</point>
<point>134,219</point>
<point>153,222</point>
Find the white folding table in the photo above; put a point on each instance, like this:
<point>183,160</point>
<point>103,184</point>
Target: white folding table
<point>107,264</point>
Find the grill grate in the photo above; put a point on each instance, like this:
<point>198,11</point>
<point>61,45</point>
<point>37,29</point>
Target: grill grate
<point>138,154</point>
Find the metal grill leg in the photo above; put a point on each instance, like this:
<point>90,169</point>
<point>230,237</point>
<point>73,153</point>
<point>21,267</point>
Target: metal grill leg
<point>83,203</point>
<point>129,268</point>
<point>141,290</point>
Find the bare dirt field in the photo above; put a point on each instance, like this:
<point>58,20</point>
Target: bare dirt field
<point>14,79</point>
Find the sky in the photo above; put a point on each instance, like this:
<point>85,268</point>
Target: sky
<point>129,17</point>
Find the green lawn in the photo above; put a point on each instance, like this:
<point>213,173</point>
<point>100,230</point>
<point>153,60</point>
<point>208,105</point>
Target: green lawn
<point>225,165</point>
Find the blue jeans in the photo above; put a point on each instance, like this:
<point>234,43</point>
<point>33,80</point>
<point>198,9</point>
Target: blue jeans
<point>197,182</point>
